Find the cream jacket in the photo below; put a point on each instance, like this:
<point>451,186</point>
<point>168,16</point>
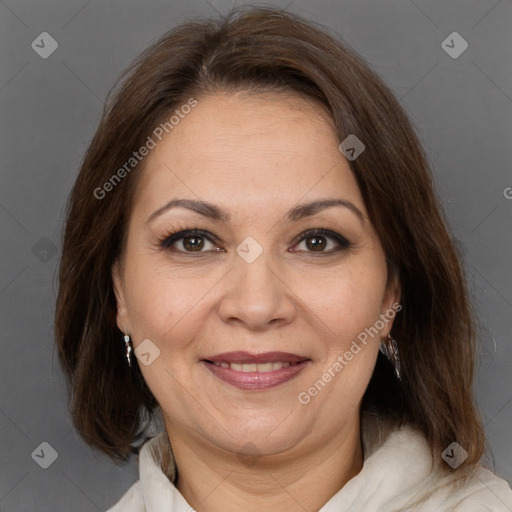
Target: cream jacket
<point>398,475</point>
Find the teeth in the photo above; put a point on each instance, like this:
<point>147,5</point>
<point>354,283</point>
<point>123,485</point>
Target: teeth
<point>253,367</point>
<point>265,367</point>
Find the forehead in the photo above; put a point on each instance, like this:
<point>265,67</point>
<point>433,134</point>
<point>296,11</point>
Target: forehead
<point>249,148</point>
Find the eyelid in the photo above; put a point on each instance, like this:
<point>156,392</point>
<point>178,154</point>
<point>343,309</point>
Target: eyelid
<point>182,232</point>
<point>343,242</point>
<point>166,240</point>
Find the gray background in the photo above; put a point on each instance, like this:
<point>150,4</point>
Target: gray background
<point>50,108</point>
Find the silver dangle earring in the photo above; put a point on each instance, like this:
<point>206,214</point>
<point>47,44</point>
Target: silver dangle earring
<point>128,349</point>
<point>389,348</point>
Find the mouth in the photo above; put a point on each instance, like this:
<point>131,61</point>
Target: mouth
<point>255,371</point>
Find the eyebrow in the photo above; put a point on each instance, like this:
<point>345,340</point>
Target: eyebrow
<point>297,213</point>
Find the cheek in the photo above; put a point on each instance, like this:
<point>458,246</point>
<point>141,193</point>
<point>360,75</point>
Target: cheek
<point>344,301</point>
<point>164,305</point>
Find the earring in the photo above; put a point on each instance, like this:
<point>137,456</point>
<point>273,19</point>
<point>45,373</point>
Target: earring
<point>128,349</point>
<point>390,349</point>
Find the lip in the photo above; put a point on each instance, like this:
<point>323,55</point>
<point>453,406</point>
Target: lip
<point>254,381</point>
<point>248,358</point>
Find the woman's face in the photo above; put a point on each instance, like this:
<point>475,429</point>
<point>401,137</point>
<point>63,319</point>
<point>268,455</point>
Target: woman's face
<point>249,281</point>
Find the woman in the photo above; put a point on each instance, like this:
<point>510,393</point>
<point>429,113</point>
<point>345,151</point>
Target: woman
<point>254,249</point>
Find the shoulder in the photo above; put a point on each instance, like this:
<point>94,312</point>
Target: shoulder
<point>479,491</point>
<point>484,492</point>
<point>132,501</point>
<point>411,479</point>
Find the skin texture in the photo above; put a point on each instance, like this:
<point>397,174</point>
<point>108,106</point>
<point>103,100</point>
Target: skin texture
<point>255,156</point>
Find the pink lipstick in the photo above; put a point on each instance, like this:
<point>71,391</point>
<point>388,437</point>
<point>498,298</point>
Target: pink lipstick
<point>255,371</point>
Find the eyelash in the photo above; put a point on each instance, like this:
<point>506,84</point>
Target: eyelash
<point>168,239</point>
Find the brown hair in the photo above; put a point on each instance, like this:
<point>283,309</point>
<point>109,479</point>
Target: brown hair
<point>269,50</point>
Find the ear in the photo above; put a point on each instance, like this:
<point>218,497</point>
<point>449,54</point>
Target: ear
<point>122,318</point>
<point>390,304</point>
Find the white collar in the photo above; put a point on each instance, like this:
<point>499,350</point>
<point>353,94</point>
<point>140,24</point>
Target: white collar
<point>159,491</point>
<point>398,474</point>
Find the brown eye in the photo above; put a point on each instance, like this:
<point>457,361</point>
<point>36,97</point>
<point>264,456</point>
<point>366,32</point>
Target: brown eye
<point>193,243</point>
<point>322,241</point>
<point>190,241</point>
<point>316,243</point>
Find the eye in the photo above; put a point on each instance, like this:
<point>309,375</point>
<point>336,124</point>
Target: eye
<point>198,241</point>
<point>190,241</point>
<point>323,241</point>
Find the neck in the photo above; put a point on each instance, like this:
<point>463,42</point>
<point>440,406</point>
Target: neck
<point>209,478</point>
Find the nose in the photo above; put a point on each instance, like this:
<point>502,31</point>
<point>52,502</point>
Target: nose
<point>257,295</point>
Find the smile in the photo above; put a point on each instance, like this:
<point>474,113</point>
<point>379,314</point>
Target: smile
<point>253,367</point>
<point>255,371</point>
